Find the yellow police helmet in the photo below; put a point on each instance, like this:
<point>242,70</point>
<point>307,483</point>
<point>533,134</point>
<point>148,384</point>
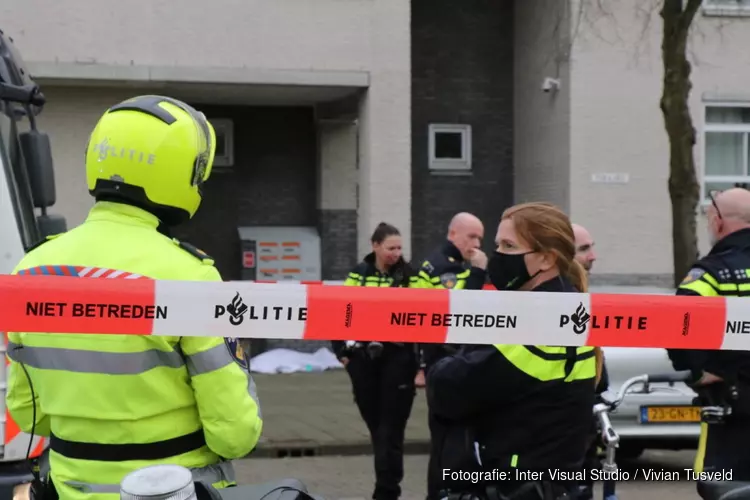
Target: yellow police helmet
<point>154,152</point>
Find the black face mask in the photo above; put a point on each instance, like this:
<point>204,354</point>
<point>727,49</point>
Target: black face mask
<point>507,271</point>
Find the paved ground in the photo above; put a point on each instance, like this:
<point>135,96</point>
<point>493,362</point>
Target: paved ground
<point>310,414</point>
<point>314,413</point>
<point>313,416</point>
<point>351,477</point>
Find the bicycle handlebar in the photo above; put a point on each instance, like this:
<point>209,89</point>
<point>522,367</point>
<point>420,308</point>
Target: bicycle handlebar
<point>681,376</point>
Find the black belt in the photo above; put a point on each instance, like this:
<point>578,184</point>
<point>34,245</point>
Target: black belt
<point>124,452</point>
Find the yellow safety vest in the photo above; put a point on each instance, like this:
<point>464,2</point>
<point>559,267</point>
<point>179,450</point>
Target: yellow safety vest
<point>116,394</point>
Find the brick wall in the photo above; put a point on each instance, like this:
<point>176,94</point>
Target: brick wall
<point>271,183</point>
<point>462,72</point>
<point>338,242</point>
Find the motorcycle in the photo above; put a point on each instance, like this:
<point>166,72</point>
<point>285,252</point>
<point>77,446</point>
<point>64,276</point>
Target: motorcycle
<point>173,482</point>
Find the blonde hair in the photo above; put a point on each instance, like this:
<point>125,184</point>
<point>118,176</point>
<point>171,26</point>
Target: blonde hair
<point>546,228</point>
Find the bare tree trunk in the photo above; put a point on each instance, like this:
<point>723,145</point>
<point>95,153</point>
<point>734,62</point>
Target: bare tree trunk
<point>677,16</point>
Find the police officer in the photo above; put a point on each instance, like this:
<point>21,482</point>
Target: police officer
<point>586,256</point>
<point>382,374</point>
<point>524,408</point>
<point>722,378</point>
<point>114,403</point>
<point>457,264</point>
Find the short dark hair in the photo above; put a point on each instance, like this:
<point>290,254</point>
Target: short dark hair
<point>383,231</point>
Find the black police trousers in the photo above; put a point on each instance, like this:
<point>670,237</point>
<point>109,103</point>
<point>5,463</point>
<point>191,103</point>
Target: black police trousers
<point>727,449</point>
<point>586,487</point>
<point>441,436</point>
<point>384,392</point>
<point>434,472</point>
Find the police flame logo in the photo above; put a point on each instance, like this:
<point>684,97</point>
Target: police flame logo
<point>580,319</point>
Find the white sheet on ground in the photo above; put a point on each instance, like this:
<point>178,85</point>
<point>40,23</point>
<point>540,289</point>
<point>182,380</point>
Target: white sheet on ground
<point>290,361</point>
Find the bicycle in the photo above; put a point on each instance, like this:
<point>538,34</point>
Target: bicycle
<point>708,490</point>
<point>609,437</point>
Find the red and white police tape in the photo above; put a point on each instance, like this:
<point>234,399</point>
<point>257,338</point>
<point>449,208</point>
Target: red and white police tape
<point>43,302</point>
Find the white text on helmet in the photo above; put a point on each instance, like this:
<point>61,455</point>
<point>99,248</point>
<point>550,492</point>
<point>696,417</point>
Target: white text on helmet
<point>103,149</point>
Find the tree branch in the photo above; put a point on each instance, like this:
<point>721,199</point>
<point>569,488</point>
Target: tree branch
<point>688,15</point>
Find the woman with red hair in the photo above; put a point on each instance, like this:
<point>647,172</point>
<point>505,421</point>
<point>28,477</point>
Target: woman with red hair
<point>523,408</point>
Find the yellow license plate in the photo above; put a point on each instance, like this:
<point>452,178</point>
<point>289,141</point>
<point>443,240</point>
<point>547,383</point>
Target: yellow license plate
<point>667,414</point>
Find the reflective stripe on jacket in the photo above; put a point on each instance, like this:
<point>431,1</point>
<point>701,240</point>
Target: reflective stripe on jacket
<point>95,391</point>
<point>526,406</point>
<point>445,268</point>
<point>367,274</point>
<point>724,272</point>
<point>546,363</point>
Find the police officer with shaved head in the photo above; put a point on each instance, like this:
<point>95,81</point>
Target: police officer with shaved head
<point>586,256</point>
<point>722,378</point>
<point>458,264</point>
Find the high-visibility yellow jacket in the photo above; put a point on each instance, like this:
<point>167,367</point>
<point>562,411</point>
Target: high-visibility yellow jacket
<point>115,403</point>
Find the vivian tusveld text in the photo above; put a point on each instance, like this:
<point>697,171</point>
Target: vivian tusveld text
<point>497,475</point>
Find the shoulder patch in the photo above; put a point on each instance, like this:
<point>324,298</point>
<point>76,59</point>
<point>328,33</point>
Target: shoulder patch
<point>693,275</point>
<point>448,280</point>
<point>428,267</point>
<point>194,251</point>
<point>237,352</point>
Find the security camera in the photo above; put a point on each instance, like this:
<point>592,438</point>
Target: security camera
<point>550,84</point>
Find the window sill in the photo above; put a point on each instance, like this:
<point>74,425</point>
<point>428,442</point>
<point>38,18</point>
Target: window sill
<point>726,11</point>
<point>451,173</point>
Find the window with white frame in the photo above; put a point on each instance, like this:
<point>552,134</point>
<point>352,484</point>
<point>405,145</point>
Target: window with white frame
<point>726,148</point>
<point>224,156</point>
<point>449,147</point>
<point>726,7</point>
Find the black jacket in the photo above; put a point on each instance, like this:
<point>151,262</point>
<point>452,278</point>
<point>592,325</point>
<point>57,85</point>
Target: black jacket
<point>722,272</point>
<point>603,384</point>
<point>445,268</point>
<point>545,424</point>
<point>401,274</point>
